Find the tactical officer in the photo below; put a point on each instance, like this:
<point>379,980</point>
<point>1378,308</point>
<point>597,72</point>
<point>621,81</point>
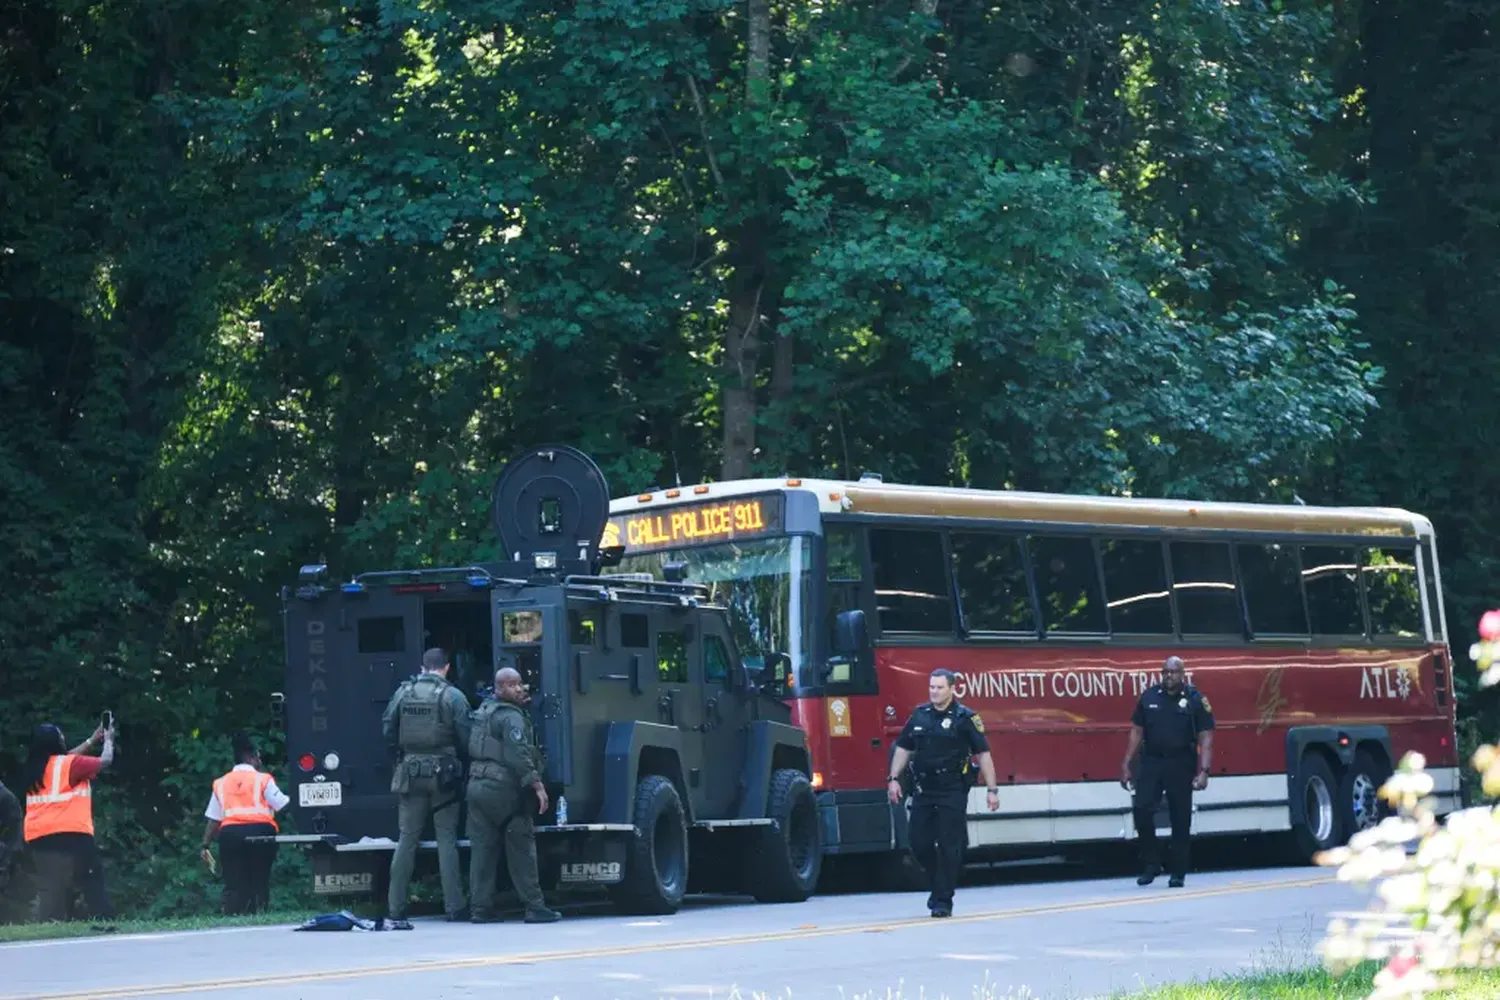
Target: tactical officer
<point>1173,723</point>
<point>428,721</point>
<point>939,739</point>
<point>505,778</point>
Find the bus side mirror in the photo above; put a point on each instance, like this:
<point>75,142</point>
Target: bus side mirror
<point>851,636</point>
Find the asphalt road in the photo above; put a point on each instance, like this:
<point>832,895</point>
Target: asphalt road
<point>1067,938</point>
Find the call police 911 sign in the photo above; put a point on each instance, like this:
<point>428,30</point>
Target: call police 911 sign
<point>733,519</point>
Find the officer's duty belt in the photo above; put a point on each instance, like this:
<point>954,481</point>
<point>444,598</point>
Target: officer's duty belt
<point>488,769</point>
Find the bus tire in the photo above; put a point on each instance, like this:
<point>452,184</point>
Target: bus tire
<point>1317,789</point>
<point>789,853</point>
<point>1360,805</point>
<point>656,862</point>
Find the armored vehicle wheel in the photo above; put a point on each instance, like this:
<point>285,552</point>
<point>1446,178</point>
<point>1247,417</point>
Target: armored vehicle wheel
<point>656,863</point>
<point>788,855</point>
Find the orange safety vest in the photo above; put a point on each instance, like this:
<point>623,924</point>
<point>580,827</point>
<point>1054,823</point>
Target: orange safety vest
<point>242,796</point>
<point>59,807</point>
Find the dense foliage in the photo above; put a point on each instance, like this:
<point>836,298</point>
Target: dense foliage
<point>286,282</point>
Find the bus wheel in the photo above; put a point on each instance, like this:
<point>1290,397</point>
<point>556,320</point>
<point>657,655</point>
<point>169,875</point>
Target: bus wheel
<point>789,854</point>
<point>656,863</point>
<point>1359,793</point>
<point>1315,788</point>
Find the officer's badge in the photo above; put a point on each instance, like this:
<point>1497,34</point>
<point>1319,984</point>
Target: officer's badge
<point>947,723</point>
<point>978,723</point>
<point>1182,703</point>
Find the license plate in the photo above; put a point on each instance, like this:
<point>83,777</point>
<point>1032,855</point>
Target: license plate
<point>322,793</point>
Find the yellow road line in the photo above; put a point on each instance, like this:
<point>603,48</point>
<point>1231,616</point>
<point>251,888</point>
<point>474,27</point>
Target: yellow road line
<point>642,948</point>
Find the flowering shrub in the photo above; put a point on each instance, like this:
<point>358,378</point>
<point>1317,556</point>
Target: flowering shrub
<point>1437,905</point>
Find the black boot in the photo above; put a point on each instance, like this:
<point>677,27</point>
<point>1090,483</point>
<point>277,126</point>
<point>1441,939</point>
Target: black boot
<point>1149,875</point>
<point>541,915</point>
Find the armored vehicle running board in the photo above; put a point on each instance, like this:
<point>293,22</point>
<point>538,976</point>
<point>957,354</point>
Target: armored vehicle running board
<point>725,824</point>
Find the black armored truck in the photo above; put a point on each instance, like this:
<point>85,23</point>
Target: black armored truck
<point>671,766</point>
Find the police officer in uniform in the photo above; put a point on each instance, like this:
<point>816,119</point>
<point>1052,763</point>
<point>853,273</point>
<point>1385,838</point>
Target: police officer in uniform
<point>938,741</point>
<point>1173,728</point>
<point>428,720</point>
<point>505,780</point>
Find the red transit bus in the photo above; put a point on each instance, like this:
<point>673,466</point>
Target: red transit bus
<point>1316,633</point>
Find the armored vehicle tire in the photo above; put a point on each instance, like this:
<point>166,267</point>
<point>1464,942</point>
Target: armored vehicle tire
<point>656,863</point>
<point>788,854</point>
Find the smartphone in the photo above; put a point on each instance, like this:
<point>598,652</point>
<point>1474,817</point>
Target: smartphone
<point>107,720</point>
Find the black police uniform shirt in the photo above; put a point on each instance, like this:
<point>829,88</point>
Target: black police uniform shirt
<point>1171,722</point>
<point>941,743</point>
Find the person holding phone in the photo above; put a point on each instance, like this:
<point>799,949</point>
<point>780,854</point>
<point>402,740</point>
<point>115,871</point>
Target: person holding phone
<point>59,823</point>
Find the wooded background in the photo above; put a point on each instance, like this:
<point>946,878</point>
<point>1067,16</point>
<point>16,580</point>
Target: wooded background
<point>283,282</point>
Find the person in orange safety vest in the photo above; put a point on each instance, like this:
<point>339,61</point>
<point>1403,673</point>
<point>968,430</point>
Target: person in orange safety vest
<point>242,814</point>
<point>59,823</point>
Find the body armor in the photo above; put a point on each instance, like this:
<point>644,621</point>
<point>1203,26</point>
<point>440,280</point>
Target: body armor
<point>423,727</point>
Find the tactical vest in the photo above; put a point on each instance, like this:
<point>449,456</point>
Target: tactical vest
<point>484,745</point>
<point>423,728</point>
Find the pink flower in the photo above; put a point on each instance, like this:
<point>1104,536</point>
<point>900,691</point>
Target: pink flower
<point>1402,964</point>
<point>1489,626</point>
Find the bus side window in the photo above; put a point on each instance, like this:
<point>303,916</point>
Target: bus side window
<point>1203,583</point>
<point>911,583</point>
<point>992,588</point>
<point>1391,590</point>
<point>1271,579</point>
<point>1135,584</point>
<point>1434,595</point>
<point>1331,578</point>
<point>1067,585</point>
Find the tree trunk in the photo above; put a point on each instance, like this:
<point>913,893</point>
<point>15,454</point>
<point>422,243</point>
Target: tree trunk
<point>742,333</point>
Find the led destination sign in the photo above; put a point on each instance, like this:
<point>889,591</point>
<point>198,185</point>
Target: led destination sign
<point>696,524</point>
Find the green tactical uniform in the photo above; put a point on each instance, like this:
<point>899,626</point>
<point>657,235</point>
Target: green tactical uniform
<point>506,763</point>
<point>428,718</point>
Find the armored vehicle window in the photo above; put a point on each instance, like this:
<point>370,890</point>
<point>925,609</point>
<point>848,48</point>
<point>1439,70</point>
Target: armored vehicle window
<point>1135,582</point>
<point>911,582</point>
<point>583,628</point>
<point>1272,581</point>
<point>1331,578</point>
<point>671,657</point>
<point>1203,582</point>
<point>521,626</point>
<point>715,660</point>
<point>1067,584</point>
<point>382,635</point>
<point>1392,592</point>
<point>635,632</point>
<point>991,583</point>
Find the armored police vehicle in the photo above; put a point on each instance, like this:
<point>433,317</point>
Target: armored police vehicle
<point>671,766</point>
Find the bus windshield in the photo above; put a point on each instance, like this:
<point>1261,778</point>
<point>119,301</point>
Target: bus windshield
<point>764,584</point>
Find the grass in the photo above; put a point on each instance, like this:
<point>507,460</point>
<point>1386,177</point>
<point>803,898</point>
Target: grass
<point>79,928</point>
<point>1311,984</point>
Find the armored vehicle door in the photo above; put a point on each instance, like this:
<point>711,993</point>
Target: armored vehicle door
<point>532,637</point>
<point>347,652</point>
<point>726,715</point>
